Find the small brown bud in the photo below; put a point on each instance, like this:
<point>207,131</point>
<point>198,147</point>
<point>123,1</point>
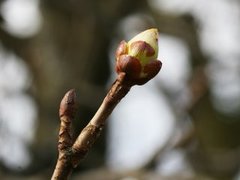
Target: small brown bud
<point>68,105</point>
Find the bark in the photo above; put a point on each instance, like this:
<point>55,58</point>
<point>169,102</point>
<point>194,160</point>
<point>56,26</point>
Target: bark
<point>71,154</point>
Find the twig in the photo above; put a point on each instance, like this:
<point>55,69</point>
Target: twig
<point>70,155</point>
<point>67,112</point>
<point>90,133</point>
<point>135,65</point>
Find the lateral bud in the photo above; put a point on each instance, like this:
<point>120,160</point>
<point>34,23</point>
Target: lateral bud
<point>68,105</point>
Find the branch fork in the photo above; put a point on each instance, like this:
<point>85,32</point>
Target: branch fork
<point>136,64</point>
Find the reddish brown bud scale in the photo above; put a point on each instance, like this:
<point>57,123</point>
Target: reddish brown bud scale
<point>152,68</point>
<point>121,49</point>
<point>142,48</point>
<point>68,105</point>
<point>129,65</point>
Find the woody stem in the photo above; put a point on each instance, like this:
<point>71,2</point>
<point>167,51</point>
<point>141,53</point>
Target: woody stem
<point>69,157</point>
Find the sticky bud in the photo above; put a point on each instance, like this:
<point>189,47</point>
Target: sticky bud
<point>138,57</point>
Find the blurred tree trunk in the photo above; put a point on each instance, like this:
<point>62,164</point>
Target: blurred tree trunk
<point>70,51</point>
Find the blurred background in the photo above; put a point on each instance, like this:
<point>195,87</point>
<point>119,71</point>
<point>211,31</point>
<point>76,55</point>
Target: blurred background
<point>184,124</point>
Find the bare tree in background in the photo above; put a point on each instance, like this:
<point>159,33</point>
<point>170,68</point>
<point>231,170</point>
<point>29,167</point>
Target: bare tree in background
<point>71,50</point>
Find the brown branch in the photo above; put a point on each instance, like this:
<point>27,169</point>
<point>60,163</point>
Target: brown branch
<point>90,133</point>
<point>67,112</point>
<point>133,69</point>
<point>70,154</point>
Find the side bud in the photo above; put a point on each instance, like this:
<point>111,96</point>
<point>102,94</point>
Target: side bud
<point>68,105</point>
<point>138,57</point>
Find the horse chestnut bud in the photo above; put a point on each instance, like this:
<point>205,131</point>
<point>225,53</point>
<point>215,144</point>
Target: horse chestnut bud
<point>138,57</point>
